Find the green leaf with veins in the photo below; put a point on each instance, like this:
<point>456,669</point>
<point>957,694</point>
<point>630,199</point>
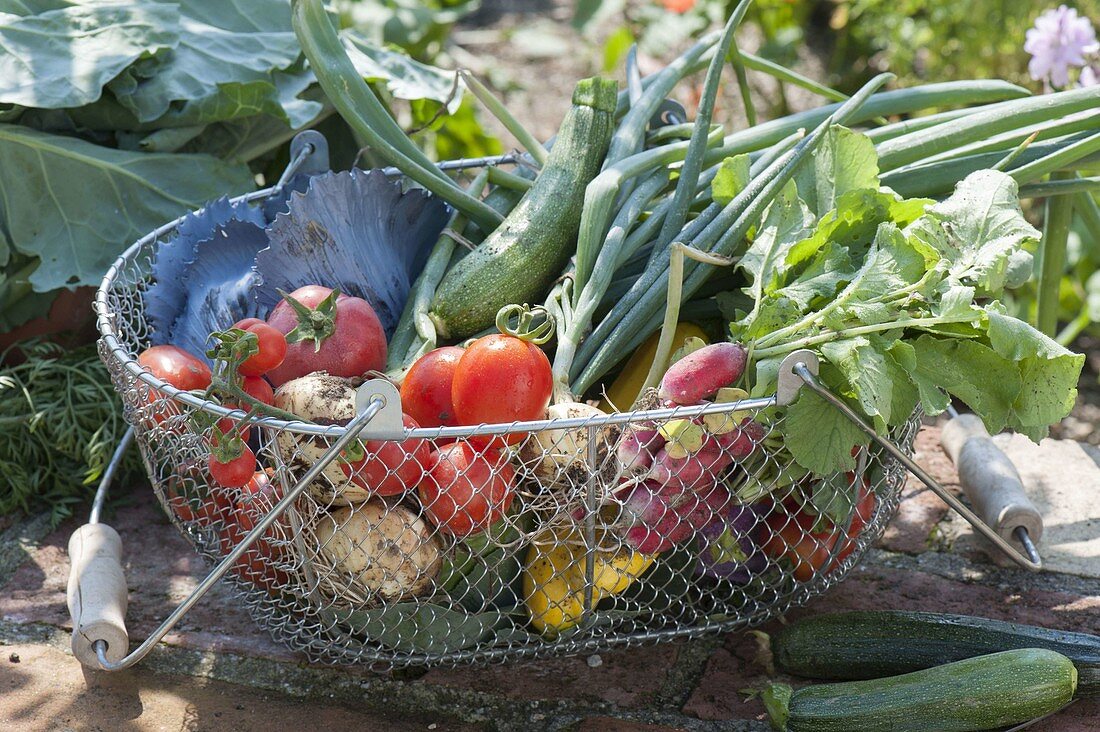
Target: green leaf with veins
<point>856,219</point>
<point>818,435</point>
<point>56,58</point>
<point>233,43</point>
<point>731,179</point>
<point>977,230</point>
<point>844,161</point>
<point>786,222</point>
<point>45,182</point>
<point>830,268</point>
<point>971,371</point>
<point>1049,371</point>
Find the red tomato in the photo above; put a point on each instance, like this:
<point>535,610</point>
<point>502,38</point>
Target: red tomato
<point>258,563</point>
<point>790,536</point>
<point>465,491</point>
<point>243,323</point>
<point>272,345</point>
<point>865,510</point>
<point>499,379</point>
<point>204,511</point>
<point>795,534</point>
<point>176,367</point>
<point>344,338</point>
<point>258,388</point>
<point>232,471</point>
<point>387,467</point>
<point>426,390</point>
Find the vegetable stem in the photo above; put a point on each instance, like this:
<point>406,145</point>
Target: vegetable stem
<point>1073,329</point>
<point>497,109</point>
<point>361,109</point>
<point>1052,259</point>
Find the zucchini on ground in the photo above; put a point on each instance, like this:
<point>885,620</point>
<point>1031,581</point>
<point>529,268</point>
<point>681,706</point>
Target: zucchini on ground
<point>870,645</point>
<point>983,693</point>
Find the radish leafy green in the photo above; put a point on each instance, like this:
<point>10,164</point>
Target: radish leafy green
<point>899,299</point>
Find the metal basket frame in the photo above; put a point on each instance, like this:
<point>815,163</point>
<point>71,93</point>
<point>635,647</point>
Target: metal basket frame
<point>379,417</point>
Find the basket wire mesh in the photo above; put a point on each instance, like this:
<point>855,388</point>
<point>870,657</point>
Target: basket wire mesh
<point>485,544</point>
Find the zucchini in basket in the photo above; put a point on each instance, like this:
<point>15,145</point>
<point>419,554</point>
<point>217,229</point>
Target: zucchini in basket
<point>520,260</point>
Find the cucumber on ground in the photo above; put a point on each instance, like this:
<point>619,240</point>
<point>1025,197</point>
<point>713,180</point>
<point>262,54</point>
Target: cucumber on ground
<point>873,644</point>
<point>982,693</point>
<point>520,260</point>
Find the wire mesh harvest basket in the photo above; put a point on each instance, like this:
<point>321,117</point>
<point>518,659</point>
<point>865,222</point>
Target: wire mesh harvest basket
<point>434,549</point>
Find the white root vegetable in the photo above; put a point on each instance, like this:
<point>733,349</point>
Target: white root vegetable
<point>322,399</point>
<point>559,457</point>
<point>383,552</point>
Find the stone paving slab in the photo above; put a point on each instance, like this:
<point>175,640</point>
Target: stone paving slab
<point>46,690</point>
<point>692,685</point>
<point>1062,479</point>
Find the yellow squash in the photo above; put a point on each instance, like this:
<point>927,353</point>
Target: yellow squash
<point>553,579</point>
<point>627,385</point>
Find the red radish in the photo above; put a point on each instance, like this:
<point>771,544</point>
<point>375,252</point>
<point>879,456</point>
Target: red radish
<point>387,467</point>
<point>636,449</point>
<point>695,471</point>
<point>658,517</point>
<point>426,389</point>
<point>700,374</point>
<point>327,331</point>
<point>743,440</point>
<point>466,491</point>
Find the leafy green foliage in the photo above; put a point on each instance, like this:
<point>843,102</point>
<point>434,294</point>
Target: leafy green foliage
<point>117,117</point>
<point>62,423</point>
<point>895,296</point>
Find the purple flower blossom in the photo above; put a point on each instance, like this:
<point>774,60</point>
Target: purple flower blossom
<point>1060,39</point>
<point>1089,76</point>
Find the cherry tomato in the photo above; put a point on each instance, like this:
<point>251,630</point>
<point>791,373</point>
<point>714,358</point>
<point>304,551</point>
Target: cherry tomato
<point>864,511</point>
<point>243,323</point>
<point>790,536</point>
<point>500,379</point>
<point>465,490</point>
<point>796,534</point>
<point>259,562</point>
<point>228,426</point>
<point>203,505</point>
<point>343,337</point>
<point>258,388</point>
<point>232,471</point>
<point>272,345</point>
<point>389,468</point>
<point>426,390</point>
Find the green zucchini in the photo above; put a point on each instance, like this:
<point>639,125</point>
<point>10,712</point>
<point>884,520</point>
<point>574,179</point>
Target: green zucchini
<point>869,645</point>
<point>981,693</point>
<point>520,260</point>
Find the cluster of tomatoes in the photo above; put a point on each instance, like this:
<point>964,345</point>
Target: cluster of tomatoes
<point>467,485</point>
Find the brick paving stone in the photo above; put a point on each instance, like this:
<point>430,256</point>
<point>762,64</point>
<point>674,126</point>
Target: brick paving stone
<point>47,690</point>
<point>921,509</point>
<point>610,724</point>
<point>161,569</point>
<point>627,678</point>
